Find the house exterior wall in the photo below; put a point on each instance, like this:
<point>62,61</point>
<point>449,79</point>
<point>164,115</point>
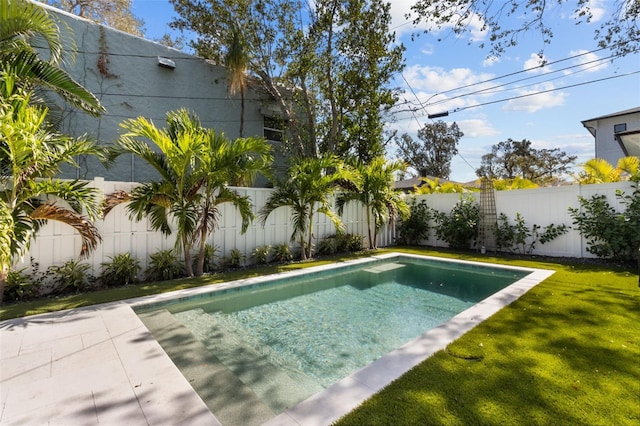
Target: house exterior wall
<point>122,71</point>
<point>607,147</point>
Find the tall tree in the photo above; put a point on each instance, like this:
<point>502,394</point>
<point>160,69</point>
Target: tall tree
<point>112,13</point>
<point>620,30</point>
<point>376,192</point>
<point>307,190</point>
<point>31,154</point>
<point>236,60</point>
<point>433,154</point>
<point>195,165</point>
<point>25,29</point>
<point>327,69</point>
<point>360,58</point>
<point>510,159</point>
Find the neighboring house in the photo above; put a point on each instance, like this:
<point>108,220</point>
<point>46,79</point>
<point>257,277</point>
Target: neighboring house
<point>610,130</point>
<point>133,77</point>
<point>411,184</point>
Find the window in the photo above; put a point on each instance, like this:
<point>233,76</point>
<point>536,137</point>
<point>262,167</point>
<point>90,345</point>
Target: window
<point>273,129</point>
<point>619,128</point>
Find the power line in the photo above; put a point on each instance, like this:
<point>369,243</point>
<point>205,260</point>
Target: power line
<point>582,65</point>
<point>546,91</point>
<point>533,68</point>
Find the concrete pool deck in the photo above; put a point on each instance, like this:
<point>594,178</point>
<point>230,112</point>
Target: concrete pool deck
<point>101,365</point>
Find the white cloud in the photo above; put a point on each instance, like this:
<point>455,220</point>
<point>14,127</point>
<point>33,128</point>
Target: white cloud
<point>535,64</point>
<point>432,84</point>
<point>490,61</point>
<point>587,62</point>
<point>534,101</point>
<point>437,79</point>
<point>428,49</point>
<point>474,128</point>
<point>595,8</point>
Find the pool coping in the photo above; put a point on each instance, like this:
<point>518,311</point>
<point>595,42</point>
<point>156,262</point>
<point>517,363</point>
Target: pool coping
<point>51,362</point>
<point>340,398</point>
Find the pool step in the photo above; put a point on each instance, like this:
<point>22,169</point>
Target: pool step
<point>230,400</point>
<point>385,268</point>
<point>279,389</point>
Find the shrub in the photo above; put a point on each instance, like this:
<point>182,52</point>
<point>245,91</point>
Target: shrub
<point>350,243</point>
<point>340,243</point>
<point>282,253</point>
<point>121,270</point>
<point>520,238</point>
<point>164,265</point>
<point>610,234</point>
<point>260,254</point>
<point>328,245</point>
<point>70,276</point>
<point>416,228</point>
<point>210,256</point>
<point>459,229</point>
<point>19,286</point>
<point>234,260</point>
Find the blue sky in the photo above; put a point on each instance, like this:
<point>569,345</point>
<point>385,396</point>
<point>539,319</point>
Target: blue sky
<point>549,120</point>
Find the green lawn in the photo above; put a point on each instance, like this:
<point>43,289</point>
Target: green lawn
<point>567,352</point>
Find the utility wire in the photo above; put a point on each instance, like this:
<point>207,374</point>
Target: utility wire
<point>582,65</point>
<point>544,91</point>
<point>532,68</point>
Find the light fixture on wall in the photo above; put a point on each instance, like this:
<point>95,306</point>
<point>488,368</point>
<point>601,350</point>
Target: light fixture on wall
<point>166,63</point>
<point>629,142</point>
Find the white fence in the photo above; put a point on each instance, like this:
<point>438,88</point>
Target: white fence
<point>541,206</point>
<point>56,243</point>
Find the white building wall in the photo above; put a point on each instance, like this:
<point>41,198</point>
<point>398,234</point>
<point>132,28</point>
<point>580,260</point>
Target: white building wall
<point>607,147</point>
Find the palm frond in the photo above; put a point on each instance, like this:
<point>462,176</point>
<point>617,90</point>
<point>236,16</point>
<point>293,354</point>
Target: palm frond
<point>87,230</point>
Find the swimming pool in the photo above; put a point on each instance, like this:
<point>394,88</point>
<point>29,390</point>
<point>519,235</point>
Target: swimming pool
<point>284,339</point>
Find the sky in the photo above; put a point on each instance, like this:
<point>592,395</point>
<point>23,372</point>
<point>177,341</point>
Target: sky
<point>439,64</point>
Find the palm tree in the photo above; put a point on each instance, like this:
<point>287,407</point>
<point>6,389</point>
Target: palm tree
<point>236,61</point>
<point>629,167</point>
<point>435,186</point>
<point>24,25</point>
<point>195,166</point>
<point>599,170</point>
<point>514,184</point>
<point>376,192</point>
<point>307,189</point>
<point>31,154</point>
<point>222,162</point>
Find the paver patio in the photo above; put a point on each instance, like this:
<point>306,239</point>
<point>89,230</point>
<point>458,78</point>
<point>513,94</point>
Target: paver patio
<point>94,365</point>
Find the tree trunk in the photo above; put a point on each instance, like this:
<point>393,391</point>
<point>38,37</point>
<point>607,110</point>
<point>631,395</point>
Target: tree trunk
<point>186,248</point>
<point>303,250</point>
<point>371,241</point>
<point>200,264</point>
<point>241,117</point>
<point>310,231</point>
<point>375,235</point>
<point>3,280</point>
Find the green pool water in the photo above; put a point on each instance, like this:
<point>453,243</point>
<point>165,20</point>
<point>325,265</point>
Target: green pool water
<point>289,339</point>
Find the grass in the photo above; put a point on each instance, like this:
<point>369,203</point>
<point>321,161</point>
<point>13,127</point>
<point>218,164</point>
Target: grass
<point>567,352</point>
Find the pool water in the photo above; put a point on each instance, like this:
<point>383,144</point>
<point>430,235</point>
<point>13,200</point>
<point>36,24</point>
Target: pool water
<point>289,339</point>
